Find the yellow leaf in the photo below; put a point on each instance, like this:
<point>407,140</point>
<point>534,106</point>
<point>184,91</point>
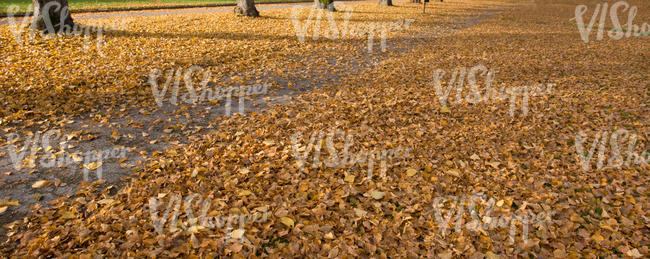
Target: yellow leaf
<point>93,165</point>
<point>454,172</point>
<point>237,234</point>
<point>106,201</point>
<point>349,178</point>
<point>445,109</point>
<point>597,237</point>
<point>41,183</point>
<point>574,217</point>
<point>411,172</point>
<point>195,228</point>
<point>377,195</point>
<point>76,157</point>
<point>449,163</point>
<point>68,215</point>
<point>244,193</point>
<point>494,165</point>
<point>287,221</point>
<point>9,203</point>
<point>490,255</point>
<point>360,212</point>
<point>445,255</point>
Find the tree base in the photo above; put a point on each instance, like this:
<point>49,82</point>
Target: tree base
<point>386,3</point>
<point>55,27</point>
<point>52,16</point>
<point>329,7</point>
<point>251,12</point>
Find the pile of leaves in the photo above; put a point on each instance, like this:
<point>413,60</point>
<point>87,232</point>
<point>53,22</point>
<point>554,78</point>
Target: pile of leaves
<point>527,163</point>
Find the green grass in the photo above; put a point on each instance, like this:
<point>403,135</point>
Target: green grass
<point>88,5</point>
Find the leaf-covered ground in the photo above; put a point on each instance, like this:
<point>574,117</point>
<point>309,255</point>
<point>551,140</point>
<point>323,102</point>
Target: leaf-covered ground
<point>527,163</point>
<point>133,120</point>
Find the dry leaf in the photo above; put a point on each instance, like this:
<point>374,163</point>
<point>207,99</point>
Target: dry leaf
<point>445,109</point>
<point>237,233</point>
<point>377,195</point>
<point>287,221</point>
<point>244,193</point>
<point>41,183</point>
<point>411,172</point>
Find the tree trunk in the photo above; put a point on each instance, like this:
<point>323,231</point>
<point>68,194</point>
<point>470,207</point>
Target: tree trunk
<point>50,16</point>
<point>386,2</point>
<point>246,8</point>
<point>325,4</point>
<point>416,1</point>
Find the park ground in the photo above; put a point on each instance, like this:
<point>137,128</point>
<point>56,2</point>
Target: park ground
<point>519,152</point>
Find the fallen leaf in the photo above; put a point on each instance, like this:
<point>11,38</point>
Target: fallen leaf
<point>244,193</point>
<point>93,165</point>
<point>106,201</point>
<point>360,212</point>
<point>411,172</point>
<point>445,109</point>
<point>287,221</point>
<point>68,215</point>
<point>634,253</point>
<point>377,195</point>
<point>41,183</point>
<point>453,172</point>
<point>597,237</point>
<point>237,233</point>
